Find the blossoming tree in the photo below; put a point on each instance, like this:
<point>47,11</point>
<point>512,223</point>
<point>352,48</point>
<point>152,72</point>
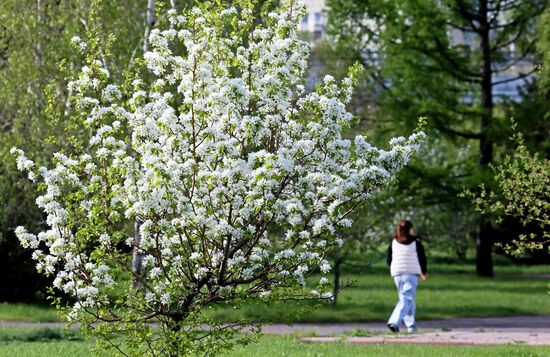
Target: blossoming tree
<point>238,177</point>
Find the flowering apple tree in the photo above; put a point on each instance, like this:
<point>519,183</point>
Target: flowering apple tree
<point>238,177</point>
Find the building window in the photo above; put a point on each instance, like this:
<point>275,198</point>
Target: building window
<point>319,17</point>
<point>305,20</point>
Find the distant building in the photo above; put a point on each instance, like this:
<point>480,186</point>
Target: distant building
<point>507,77</point>
<point>506,82</point>
<point>315,20</point>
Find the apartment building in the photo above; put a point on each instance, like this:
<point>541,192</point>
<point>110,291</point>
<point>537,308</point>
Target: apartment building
<point>506,86</point>
<point>315,20</point>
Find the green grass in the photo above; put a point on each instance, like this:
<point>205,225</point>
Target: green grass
<point>289,346</point>
<point>28,312</point>
<point>452,290</point>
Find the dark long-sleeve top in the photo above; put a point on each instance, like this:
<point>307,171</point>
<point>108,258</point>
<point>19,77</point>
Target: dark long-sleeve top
<point>420,252</point>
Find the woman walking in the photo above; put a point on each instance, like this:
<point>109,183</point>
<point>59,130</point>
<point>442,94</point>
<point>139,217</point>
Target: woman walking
<point>407,261</point>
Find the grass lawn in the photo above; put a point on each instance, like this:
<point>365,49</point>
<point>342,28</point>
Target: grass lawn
<point>452,290</point>
<point>28,312</point>
<point>288,346</point>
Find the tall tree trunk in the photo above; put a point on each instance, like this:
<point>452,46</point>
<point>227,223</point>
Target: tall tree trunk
<point>484,244</point>
<point>149,25</point>
<point>36,86</point>
<point>484,250</point>
<point>137,257</point>
<point>39,50</point>
<point>336,275</point>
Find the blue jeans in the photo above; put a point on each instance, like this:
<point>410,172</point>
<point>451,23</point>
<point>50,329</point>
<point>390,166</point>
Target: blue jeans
<point>404,310</point>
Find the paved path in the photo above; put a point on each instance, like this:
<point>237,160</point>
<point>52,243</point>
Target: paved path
<point>539,323</point>
<point>445,338</point>
<point>527,330</point>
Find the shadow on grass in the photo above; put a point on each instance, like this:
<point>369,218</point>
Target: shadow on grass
<point>39,334</point>
<point>434,313</point>
<point>492,289</point>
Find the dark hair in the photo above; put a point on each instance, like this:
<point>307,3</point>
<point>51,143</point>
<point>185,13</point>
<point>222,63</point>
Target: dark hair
<point>403,232</point>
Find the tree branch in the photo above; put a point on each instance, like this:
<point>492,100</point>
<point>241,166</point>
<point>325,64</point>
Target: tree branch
<point>462,8</point>
<point>523,56</point>
<point>462,134</point>
<point>523,75</point>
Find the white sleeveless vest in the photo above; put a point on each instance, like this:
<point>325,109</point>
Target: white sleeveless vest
<point>404,259</point>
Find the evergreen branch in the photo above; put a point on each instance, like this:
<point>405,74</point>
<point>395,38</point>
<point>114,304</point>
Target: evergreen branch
<point>523,75</point>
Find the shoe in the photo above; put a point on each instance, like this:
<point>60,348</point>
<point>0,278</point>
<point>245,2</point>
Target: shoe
<point>393,328</point>
<point>412,330</point>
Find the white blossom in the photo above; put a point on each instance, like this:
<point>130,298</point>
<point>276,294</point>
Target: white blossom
<point>234,171</point>
<point>324,266</point>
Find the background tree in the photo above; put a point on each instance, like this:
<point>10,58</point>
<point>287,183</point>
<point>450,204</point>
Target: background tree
<point>444,60</point>
<point>33,38</point>
<point>522,182</point>
<point>35,58</point>
<point>522,178</point>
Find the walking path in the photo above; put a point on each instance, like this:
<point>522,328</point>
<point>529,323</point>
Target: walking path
<point>539,323</point>
<point>527,330</point>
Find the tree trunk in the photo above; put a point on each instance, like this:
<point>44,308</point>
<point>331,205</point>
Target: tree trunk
<point>460,252</point>
<point>484,259</point>
<point>149,25</point>
<point>484,250</point>
<point>39,50</point>
<point>336,275</point>
<point>137,257</point>
<point>36,86</point>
